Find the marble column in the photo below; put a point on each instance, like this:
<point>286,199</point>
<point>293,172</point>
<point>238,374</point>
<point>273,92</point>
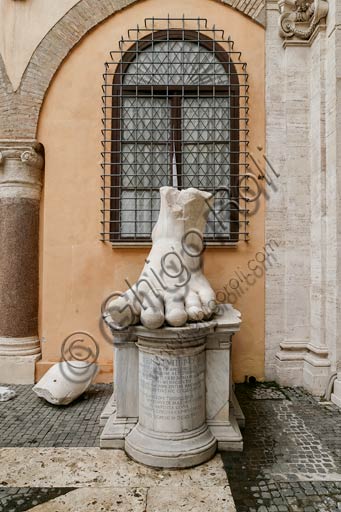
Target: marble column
<point>21,165</point>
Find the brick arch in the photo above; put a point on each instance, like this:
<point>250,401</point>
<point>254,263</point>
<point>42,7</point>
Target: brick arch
<point>25,103</point>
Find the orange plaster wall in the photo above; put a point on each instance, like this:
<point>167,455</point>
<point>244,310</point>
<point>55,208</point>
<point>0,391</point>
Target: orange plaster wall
<point>77,270</point>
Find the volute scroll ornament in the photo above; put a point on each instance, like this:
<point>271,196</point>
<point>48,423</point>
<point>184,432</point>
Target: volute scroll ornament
<point>299,18</point>
<point>21,168</point>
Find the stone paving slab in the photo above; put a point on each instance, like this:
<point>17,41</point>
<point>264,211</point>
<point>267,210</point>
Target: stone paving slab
<point>54,461</point>
<point>193,499</point>
<point>93,467</point>
<point>110,499</point>
<point>155,499</point>
<point>108,480</point>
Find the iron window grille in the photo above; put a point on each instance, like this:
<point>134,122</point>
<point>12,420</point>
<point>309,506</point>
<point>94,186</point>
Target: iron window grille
<point>175,105</point>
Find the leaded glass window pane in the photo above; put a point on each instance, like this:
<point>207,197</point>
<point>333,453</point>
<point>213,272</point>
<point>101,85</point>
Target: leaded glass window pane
<point>176,63</point>
<point>174,112</point>
<point>145,161</point>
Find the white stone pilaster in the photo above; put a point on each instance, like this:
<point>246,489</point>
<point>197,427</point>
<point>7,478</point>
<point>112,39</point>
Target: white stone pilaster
<point>296,306</point>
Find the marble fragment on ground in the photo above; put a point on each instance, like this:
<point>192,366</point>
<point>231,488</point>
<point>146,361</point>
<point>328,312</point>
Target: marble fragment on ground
<point>6,393</point>
<point>66,381</point>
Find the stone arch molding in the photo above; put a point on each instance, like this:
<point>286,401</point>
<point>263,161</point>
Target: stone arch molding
<point>21,108</point>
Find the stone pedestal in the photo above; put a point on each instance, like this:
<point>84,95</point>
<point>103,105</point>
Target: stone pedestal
<point>172,393</point>
<point>172,431</point>
<point>21,164</point>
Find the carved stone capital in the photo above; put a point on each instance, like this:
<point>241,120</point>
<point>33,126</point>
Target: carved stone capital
<point>21,165</point>
<point>299,18</point>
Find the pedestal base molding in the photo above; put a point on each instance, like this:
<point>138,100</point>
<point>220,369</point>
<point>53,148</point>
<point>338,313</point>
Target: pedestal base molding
<point>18,357</point>
<point>227,434</point>
<point>169,450</point>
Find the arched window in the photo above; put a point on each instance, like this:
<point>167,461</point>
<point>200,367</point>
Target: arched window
<point>173,117</point>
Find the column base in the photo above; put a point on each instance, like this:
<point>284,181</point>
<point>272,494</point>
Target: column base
<point>302,364</point>
<point>170,450</point>
<point>336,395</point>
<point>18,369</point>
<point>289,364</point>
<point>316,373</point>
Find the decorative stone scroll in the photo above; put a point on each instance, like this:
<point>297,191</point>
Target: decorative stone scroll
<point>21,165</point>
<point>299,18</point>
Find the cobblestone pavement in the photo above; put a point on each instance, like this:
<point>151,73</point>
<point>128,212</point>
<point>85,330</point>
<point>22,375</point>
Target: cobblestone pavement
<point>292,452</point>
<point>28,420</point>
<point>291,460</point>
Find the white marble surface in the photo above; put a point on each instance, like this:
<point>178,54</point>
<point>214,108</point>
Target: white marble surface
<point>126,373</point>
<point>170,384</point>
<point>172,391</point>
<point>172,287</point>
<point>6,393</point>
<point>217,384</point>
<point>66,381</point>
<point>172,431</point>
<point>18,369</point>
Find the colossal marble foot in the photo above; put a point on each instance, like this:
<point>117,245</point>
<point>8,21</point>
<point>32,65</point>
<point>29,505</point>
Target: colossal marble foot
<point>172,286</point>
